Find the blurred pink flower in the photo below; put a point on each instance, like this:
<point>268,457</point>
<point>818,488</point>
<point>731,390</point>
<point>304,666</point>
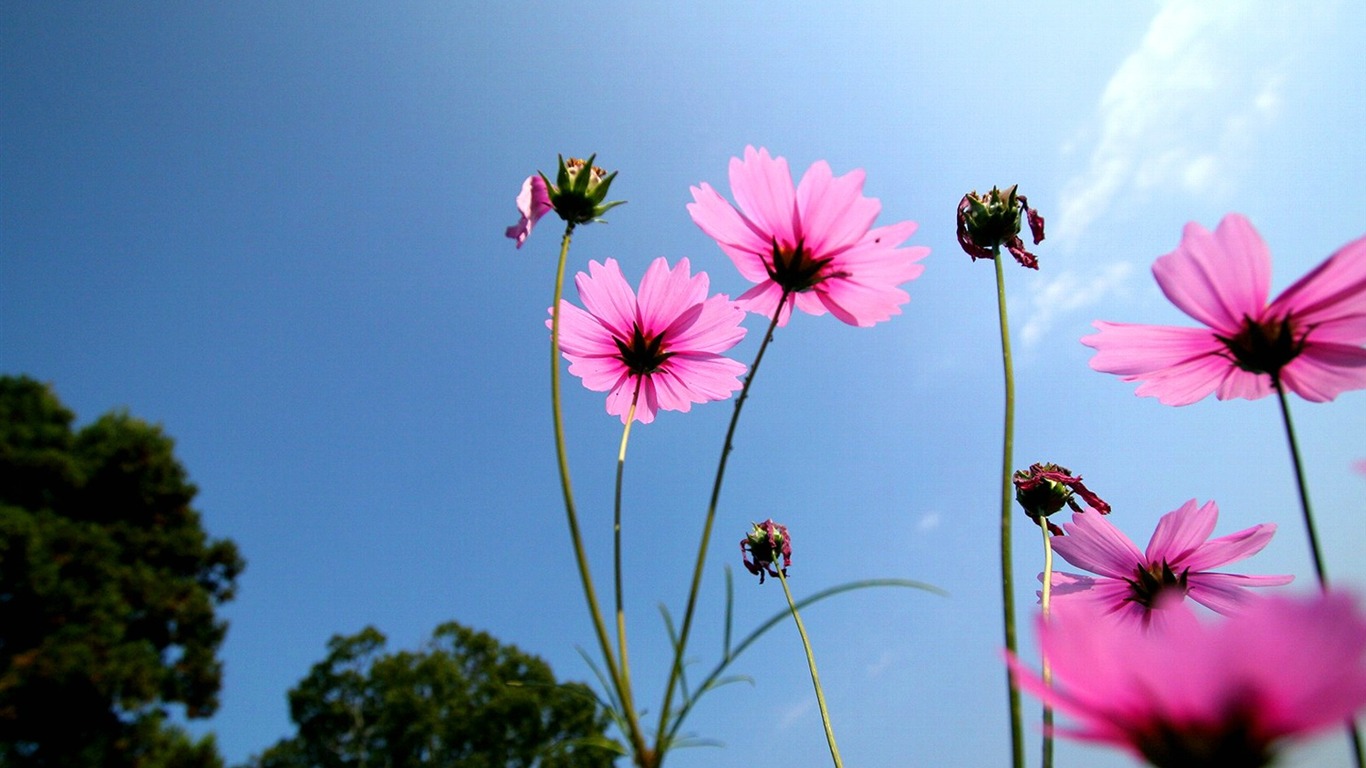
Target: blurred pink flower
<point>665,340</point>
<point>1311,336</point>
<point>1223,693</point>
<point>1132,584</point>
<point>532,203</point>
<point>812,244</point>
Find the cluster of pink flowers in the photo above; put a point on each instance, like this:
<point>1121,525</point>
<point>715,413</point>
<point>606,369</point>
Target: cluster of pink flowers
<point>812,246</point>
<point>1131,662</point>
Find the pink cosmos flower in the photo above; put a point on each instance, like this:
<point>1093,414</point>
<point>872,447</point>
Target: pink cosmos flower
<point>661,346</point>
<point>532,203</point>
<point>1132,584</point>
<point>812,246</point>
<point>1224,693</point>
<point>1310,337</point>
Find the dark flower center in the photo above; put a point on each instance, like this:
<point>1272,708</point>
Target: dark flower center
<point>1151,582</point>
<point>795,269</point>
<point>1264,347</point>
<point>1234,743</point>
<point>642,355</point>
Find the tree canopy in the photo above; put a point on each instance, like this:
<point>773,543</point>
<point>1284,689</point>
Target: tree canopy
<point>108,591</point>
<point>465,700</point>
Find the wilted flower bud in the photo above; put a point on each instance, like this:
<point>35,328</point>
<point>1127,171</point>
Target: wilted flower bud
<point>765,543</point>
<point>988,222</point>
<point>577,196</point>
<point>1046,488</point>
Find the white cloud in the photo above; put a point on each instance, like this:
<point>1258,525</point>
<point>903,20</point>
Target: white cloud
<point>794,713</point>
<point>1184,110</point>
<point>927,522</point>
<point>1069,291</point>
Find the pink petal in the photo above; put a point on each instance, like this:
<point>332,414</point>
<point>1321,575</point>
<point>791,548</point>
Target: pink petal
<point>763,299</point>
<point>762,188</point>
<point>1093,543</point>
<point>1231,548</point>
<point>608,297</point>
<point>834,213</point>
<point>1322,371</point>
<point>667,294</point>
<point>715,328</point>
<point>858,304</point>
<point>1227,593</point>
<point>737,236</point>
<point>533,202</point>
<point>1332,290</point>
<point>1180,532</point>
<point>1220,278</point>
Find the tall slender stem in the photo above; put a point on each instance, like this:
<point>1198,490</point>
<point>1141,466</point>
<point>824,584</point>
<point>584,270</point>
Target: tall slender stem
<point>1353,732</point>
<point>1045,601</point>
<point>677,669</point>
<point>815,677</point>
<point>1300,483</point>
<point>1007,580</point>
<point>635,735</point>
<point>628,700</point>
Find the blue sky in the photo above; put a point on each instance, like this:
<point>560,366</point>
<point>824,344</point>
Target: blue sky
<point>277,230</point>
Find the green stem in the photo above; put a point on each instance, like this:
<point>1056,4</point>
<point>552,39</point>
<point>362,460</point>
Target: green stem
<point>1303,487</point>
<point>1007,580</point>
<point>1353,733</point>
<point>635,735</point>
<point>627,698</point>
<point>676,671</point>
<point>815,678</point>
<point>1044,602</point>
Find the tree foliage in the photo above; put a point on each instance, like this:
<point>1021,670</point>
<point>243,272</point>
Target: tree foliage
<point>108,590</point>
<point>464,700</point>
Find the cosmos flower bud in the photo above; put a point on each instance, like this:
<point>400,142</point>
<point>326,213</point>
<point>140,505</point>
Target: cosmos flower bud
<point>986,223</point>
<point>1046,488</point>
<point>765,543</point>
<point>577,196</point>
<point>579,190</point>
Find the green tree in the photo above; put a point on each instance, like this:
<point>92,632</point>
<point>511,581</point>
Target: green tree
<point>464,701</point>
<point>108,587</point>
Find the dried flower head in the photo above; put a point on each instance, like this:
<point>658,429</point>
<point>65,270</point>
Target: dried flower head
<point>1046,488</point>
<point>986,223</point>
<point>764,544</point>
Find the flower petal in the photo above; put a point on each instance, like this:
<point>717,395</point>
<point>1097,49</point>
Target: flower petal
<point>762,187</point>
<point>1094,543</point>
<point>1227,593</point>
<point>1230,548</point>
<point>834,214</point>
<point>1332,290</point>
<point>1180,532</point>
<point>1220,278</point>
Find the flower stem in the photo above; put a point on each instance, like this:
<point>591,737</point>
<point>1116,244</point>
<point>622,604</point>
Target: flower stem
<point>1353,732</point>
<point>1301,485</point>
<point>815,678</point>
<point>1044,602</point>
<point>580,556</point>
<point>676,671</point>
<point>628,700</point>
<point>1007,580</point>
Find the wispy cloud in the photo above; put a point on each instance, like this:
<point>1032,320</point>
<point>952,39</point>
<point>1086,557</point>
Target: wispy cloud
<point>1067,292</point>
<point>1185,109</point>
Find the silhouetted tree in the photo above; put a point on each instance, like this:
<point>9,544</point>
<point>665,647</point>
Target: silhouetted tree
<point>108,586</point>
<point>464,701</point>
